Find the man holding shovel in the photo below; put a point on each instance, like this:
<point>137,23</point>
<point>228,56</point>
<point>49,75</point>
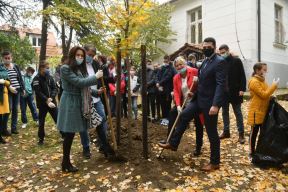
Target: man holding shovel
<point>92,67</point>
<point>209,98</point>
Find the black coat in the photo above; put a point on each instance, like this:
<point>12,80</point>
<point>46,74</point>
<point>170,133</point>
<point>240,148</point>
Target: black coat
<point>165,78</point>
<point>44,87</point>
<point>107,78</point>
<point>236,79</point>
<point>151,81</point>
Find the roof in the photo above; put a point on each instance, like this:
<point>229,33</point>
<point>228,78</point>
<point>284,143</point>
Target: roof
<point>188,48</point>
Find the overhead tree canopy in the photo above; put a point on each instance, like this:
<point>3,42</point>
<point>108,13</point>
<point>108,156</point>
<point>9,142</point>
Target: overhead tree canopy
<point>22,50</point>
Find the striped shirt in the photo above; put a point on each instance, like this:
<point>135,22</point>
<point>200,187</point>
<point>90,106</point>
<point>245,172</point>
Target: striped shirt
<point>13,76</point>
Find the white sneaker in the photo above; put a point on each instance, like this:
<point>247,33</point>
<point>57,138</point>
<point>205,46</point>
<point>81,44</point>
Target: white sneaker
<point>24,125</point>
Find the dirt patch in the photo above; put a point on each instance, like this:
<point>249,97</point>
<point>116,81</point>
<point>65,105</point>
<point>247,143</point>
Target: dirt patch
<point>25,166</point>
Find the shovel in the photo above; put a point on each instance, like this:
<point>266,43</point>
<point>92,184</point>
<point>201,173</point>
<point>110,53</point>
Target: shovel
<point>195,79</point>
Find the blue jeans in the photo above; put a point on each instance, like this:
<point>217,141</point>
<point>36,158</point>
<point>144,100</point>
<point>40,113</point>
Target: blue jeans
<point>238,115</point>
<point>101,129</point>
<point>24,101</point>
<point>85,141</point>
<point>13,103</point>
<point>134,106</point>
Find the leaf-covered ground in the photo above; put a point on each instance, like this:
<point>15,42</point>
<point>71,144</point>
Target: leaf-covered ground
<point>25,166</point>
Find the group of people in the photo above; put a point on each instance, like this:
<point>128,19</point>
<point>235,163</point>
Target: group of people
<point>197,92</point>
<point>217,83</point>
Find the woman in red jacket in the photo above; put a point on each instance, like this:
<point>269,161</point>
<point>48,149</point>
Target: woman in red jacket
<point>182,82</point>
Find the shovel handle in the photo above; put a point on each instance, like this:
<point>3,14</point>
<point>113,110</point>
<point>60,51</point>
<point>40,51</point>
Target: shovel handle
<point>176,120</point>
<point>109,117</point>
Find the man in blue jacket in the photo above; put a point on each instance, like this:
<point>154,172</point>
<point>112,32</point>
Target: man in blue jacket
<point>208,100</point>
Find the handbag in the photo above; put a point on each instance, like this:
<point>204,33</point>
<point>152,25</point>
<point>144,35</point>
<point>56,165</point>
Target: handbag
<point>95,118</point>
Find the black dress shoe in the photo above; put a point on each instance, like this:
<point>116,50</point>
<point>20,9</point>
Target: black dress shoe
<point>86,153</point>
<point>6,133</point>
<point>197,153</point>
<point>224,135</point>
<point>41,142</point>
<point>109,152</point>
<point>69,168</point>
<point>15,132</point>
<point>2,141</point>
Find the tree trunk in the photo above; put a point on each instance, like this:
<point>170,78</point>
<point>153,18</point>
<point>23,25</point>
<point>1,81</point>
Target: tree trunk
<point>144,103</point>
<point>118,94</point>
<point>130,122</point>
<point>128,66</point>
<point>44,31</point>
<point>66,44</point>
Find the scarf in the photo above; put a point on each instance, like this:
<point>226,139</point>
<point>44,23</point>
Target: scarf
<point>3,75</point>
<point>86,100</point>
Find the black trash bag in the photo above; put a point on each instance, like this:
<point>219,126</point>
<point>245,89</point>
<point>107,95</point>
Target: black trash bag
<point>272,145</point>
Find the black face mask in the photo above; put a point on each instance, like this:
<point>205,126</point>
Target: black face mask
<point>208,52</point>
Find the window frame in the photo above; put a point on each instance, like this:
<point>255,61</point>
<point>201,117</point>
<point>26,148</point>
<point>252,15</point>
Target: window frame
<point>197,39</point>
<point>278,24</point>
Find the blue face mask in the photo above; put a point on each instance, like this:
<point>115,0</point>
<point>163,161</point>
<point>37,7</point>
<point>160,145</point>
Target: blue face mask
<point>47,71</point>
<point>79,61</point>
<point>89,59</point>
<point>182,71</point>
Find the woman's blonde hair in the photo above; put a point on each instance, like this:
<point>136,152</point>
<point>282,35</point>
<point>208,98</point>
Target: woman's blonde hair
<point>180,59</point>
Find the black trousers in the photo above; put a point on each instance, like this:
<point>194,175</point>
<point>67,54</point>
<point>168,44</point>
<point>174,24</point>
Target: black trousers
<point>210,121</point>
<point>158,108</point>
<point>253,137</point>
<point>67,143</point>
<point>165,102</point>
<point>151,101</point>
<point>124,104</point>
<point>43,110</point>
<point>198,125</point>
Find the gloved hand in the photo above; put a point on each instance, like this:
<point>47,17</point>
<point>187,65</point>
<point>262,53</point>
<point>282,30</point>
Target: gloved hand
<point>2,81</point>
<point>51,105</point>
<point>276,81</point>
<point>179,109</point>
<point>49,100</point>
<point>12,89</point>
<point>99,74</point>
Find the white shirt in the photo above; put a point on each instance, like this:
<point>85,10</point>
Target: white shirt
<point>185,89</point>
<point>91,72</point>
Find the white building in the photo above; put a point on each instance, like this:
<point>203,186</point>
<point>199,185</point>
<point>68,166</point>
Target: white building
<point>235,23</point>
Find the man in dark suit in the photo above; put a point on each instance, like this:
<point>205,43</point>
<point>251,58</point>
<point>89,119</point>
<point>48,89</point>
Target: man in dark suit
<point>208,100</point>
<point>234,94</point>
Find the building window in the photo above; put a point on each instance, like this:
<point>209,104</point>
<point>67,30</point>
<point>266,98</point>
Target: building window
<point>39,42</point>
<point>195,25</point>
<point>279,31</point>
<point>34,41</point>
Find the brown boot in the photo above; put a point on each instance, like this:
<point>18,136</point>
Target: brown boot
<point>241,139</point>
<point>224,135</point>
<point>210,167</point>
<point>167,146</point>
